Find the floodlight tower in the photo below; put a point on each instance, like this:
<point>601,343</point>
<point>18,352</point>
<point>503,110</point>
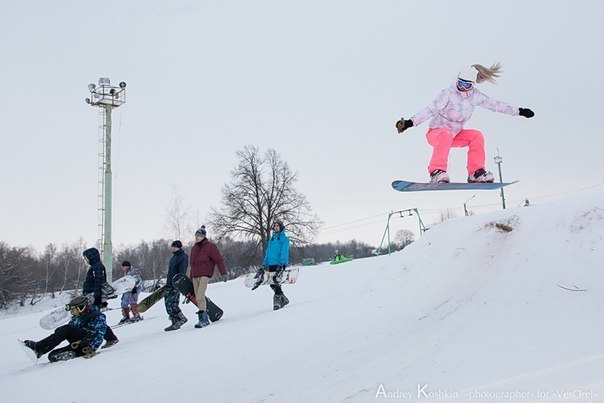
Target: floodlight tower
<point>106,97</point>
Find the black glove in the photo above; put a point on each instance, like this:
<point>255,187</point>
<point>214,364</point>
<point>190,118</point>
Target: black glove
<point>526,112</point>
<point>403,125</point>
<point>104,304</point>
<point>134,290</point>
<point>98,302</point>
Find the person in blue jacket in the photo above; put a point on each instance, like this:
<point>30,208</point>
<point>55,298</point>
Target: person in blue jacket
<point>84,333</point>
<point>275,261</point>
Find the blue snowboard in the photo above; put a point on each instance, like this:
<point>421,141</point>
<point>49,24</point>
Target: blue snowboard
<point>404,186</point>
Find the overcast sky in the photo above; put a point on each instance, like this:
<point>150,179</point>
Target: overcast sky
<point>322,82</point>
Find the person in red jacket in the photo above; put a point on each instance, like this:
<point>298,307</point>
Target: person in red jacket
<point>203,259</point>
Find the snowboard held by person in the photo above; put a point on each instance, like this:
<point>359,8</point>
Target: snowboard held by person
<point>84,333</point>
<point>204,259</point>
<point>276,260</point>
<point>449,113</point>
<point>96,276</point>
<point>129,302</point>
<point>178,264</point>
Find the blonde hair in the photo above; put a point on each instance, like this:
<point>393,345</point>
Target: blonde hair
<point>487,73</point>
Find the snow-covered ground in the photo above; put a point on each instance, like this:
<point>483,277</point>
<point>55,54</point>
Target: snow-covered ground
<point>470,312</point>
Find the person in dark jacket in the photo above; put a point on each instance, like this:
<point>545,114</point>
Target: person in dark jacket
<point>96,276</point>
<point>275,261</point>
<point>202,262</point>
<point>84,332</point>
<point>178,264</point>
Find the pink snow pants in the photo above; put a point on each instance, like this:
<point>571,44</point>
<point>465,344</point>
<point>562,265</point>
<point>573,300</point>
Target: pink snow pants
<point>442,140</point>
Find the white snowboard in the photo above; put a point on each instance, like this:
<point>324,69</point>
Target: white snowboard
<point>59,315</point>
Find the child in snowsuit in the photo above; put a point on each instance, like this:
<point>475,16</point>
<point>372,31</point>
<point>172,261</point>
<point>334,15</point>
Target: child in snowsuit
<point>84,332</point>
<point>130,298</point>
<point>449,112</point>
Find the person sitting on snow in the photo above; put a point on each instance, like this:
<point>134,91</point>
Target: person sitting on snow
<point>84,333</point>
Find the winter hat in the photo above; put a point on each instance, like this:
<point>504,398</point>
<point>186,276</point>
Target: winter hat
<point>470,74</point>
<point>177,244</point>
<point>201,231</point>
<point>78,302</point>
<point>126,263</point>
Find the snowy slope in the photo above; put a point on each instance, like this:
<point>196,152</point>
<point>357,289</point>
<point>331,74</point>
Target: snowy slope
<point>469,312</point>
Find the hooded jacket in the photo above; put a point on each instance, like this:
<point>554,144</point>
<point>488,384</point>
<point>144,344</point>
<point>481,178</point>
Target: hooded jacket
<point>178,264</point>
<point>95,276</point>
<point>277,250</point>
<point>453,108</point>
<point>204,257</point>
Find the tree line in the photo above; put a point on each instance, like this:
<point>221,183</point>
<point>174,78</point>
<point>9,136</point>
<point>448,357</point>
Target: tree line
<point>26,276</point>
<point>261,191</point>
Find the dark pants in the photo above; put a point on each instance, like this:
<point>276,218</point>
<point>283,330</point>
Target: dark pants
<point>171,300</point>
<point>109,335</point>
<point>68,332</point>
<point>275,287</point>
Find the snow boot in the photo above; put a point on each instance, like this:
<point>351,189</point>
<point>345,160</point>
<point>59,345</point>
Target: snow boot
<point>125,316</point>
<point>204,320</point>
<point>32,345</point>
<point>481,176</point>
<point>439,176</point>
<point>279,301</point>
<point>135,315</point>
<point>177,322</point>
<point>110,343</point>
<point>61,355</point>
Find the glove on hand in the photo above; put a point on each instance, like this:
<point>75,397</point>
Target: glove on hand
<point>224,278</point>
<point>98,302</point>
<point>526,112</point>
<point>104,304</point>
<point>134,290</point>
<point>403,125</point>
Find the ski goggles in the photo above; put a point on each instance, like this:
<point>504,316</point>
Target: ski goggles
<point>465,85</point>
<point>79,308</point>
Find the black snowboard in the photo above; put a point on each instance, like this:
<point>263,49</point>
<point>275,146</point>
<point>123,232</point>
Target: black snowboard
<point>185,286</point>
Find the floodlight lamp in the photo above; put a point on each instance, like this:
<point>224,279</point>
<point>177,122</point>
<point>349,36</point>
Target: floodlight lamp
<point>498,159</point>
<point>91,87</point>
<point>104,81</point>
<point>122,85</point>
<point>87,100</point>
<point>112,91</point>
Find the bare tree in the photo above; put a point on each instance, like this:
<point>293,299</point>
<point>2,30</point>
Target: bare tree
<point>178,216</point>
<point>262,191</point>
<point>403,238</point>
<point>446,215</point>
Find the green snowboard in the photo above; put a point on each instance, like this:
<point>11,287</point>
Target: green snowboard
<point>151,299</point>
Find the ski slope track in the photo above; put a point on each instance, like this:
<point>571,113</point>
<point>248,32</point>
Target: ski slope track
<point>478,308</point>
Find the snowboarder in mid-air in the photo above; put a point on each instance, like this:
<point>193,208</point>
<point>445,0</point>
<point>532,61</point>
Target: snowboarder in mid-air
<point>84,332</point>
<point>449,112</point>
